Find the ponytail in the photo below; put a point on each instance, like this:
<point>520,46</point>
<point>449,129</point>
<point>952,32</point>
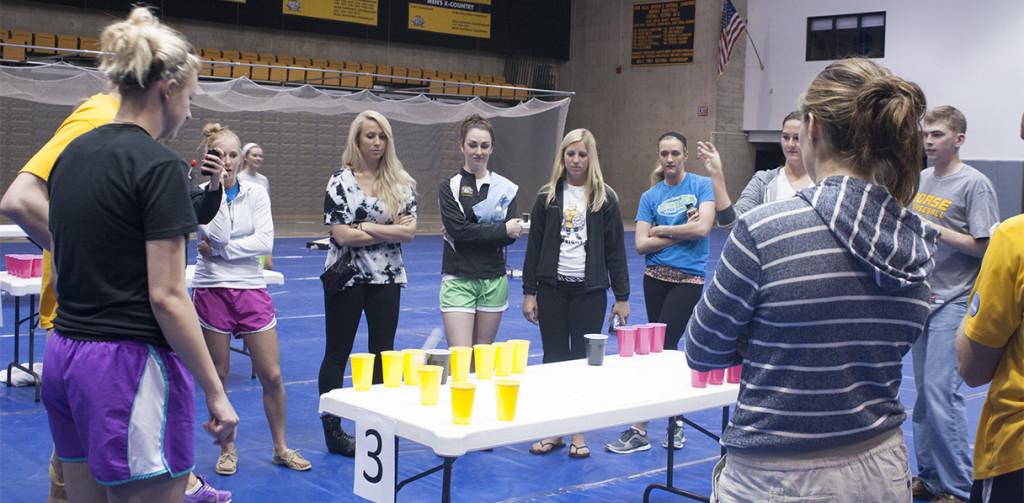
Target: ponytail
<point>871,120</point>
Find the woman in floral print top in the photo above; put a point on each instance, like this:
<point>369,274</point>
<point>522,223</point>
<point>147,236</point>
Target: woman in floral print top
<point>370,206</point>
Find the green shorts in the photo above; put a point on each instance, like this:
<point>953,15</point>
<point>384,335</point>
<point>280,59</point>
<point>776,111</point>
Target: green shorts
<point>469,295</point>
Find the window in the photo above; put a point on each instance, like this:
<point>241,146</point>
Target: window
<point>836,37</point>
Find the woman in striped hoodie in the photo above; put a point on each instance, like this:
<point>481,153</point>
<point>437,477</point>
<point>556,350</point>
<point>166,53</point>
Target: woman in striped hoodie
<point>819,297</point>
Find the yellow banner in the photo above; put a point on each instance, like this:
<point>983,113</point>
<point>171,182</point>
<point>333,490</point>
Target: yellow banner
<point>468,18</point>
<point>348,11</point>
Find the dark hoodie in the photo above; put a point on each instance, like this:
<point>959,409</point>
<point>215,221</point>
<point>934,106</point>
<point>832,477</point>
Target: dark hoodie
<point>819,297</point>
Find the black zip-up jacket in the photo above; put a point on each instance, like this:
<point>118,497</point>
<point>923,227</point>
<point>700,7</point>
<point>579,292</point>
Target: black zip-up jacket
<point>606,247</point>
<point>479,248</point>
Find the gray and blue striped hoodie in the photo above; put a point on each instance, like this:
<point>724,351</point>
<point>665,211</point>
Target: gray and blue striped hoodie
<point>819,297</point>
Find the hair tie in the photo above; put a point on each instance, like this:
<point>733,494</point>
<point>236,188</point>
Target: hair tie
<point>673,134</point>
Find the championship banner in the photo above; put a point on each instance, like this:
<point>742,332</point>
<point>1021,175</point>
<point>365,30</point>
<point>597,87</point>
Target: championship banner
<point>663,33</point>
<point>468,18</point>
<point>348,11</point>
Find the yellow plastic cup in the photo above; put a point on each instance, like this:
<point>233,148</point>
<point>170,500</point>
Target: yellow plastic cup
<point>430,383</point>
<point>362,370</point>
<point>503,356</point>
<point>462,401</point>
<point>392,363</point>
<point>521,355</point>
<point>484,354</point>
<point>461,358</point>
<point>508,395</point>
<point>412,360</point>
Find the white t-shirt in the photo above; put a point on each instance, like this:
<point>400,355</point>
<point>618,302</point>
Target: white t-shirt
<point>572,258</point>
<point>782,189</point>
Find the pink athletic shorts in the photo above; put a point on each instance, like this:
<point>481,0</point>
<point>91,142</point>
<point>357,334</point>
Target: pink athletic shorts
<point>234,312</point>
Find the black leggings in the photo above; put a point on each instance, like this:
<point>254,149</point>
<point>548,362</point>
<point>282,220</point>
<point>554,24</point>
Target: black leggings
<point>671,304</point>
<point>1006,488</point>
<point>566,313</point>
<point>342,312</point>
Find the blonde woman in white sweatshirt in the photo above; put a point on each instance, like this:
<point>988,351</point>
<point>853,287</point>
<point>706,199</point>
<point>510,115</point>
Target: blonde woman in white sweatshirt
<point>230,294</point>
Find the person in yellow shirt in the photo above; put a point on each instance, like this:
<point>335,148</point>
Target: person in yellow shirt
<point>990,349</point>
<point>26,203</point>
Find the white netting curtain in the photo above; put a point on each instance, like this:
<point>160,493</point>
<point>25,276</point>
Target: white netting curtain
<point>64,84</point>
<point>302,130</point>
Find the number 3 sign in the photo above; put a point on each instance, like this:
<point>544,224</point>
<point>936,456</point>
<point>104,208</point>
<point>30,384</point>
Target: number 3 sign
<point>375,459</point>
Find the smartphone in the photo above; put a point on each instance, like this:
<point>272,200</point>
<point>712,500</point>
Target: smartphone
<point>526,218</point>
<point>210,151</point>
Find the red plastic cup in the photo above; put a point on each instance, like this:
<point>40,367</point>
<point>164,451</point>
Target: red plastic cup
<point>627,340</point>
<point>716,377</point>
<point>658,341</point>
<point>644,334</point>
<point>37,266</point>
<point>732,374</point>
<point>698,379</point>
<point>19,265</point>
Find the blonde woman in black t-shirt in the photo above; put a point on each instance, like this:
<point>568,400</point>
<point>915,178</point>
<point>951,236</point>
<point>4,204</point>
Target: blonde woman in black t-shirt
<point>127,341</point>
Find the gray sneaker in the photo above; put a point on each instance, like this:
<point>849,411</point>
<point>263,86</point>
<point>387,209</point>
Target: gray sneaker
<point>678,440</point>
<point>631,440</point>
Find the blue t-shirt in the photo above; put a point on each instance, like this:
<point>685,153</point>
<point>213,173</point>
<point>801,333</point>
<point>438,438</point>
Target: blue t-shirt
<point>232,192</point>
<point>666,204</point>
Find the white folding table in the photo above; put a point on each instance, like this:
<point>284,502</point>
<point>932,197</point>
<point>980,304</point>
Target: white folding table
<point>554,399</point>
<point>18,288</point>
<point>30,287</point>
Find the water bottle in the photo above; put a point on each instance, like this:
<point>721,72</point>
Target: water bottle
<point>614,324</point>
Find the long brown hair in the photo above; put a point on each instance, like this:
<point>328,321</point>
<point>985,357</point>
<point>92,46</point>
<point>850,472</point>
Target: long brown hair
<point>871,121</point>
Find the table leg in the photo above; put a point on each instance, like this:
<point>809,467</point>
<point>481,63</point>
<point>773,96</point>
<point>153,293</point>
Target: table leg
<point>33,321</point>
<point>446,488</point>
<point>16,364</point>
<point>667,486</point>
<point>725,422</point>
<point>17,338</point>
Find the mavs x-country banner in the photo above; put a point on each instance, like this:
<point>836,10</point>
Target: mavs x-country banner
<point>348,11</point>
<point>468,18</point>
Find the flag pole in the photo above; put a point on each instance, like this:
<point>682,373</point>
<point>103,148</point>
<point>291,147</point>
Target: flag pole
<point>751,40</point>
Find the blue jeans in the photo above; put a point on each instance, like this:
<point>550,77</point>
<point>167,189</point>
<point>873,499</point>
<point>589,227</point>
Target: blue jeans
<point>940,421</point>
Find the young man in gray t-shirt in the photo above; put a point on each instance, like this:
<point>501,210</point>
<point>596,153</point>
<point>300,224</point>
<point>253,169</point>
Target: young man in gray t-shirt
<point>961,202</point>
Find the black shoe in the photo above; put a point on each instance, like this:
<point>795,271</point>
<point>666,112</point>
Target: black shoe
<point>336,439</point>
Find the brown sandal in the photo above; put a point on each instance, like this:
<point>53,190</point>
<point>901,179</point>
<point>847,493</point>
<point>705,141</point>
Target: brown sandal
<point>574,451</point>
<point>546,447</point>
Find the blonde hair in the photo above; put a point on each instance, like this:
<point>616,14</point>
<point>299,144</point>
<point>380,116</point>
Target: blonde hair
<point>215,132</point>
<point>594,188</point>
<point>392,184</point>
<point>871,120</point>
<point>140,50</point>
<point>659,172</point>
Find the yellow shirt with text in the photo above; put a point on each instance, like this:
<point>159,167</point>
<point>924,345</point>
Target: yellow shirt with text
<point>94,112</point>
<point>994,319</point>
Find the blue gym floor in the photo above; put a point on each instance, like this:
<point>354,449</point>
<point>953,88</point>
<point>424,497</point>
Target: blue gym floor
<point>506,474</point>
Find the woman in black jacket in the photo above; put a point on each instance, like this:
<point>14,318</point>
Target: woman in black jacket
<point>576,246</point>
<point>478,208</point>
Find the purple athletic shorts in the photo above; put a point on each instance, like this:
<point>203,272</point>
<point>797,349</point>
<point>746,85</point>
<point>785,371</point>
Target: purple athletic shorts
<point>234,312</point>
<point>125,408</point>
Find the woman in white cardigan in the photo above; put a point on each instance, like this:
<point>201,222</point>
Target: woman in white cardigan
<point>231,296</point>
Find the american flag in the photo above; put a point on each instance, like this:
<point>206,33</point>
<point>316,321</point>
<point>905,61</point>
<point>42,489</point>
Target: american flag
<point>732,27</point>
